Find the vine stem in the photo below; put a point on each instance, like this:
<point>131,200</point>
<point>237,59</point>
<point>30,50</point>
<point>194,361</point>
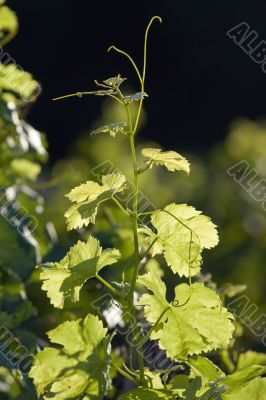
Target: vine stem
<point>125,374</point>
<point>105,283</point>
<point>119,205</point>
<point>136,246</point>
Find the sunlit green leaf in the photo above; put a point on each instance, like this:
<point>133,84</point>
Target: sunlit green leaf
<point>79,367</point>
<point>182,234</point>
<point>188,325</point>
<point>66,277</point>
<point>88,196</point>
<point>170,159</point>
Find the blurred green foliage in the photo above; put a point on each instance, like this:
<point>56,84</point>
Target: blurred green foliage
<point>239,258</point>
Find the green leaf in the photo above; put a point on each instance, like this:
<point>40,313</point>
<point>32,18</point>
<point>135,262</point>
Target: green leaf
<point>250,358</point>
<point>182,234</point>
<point>244,375</point>
<point>79,367</point>
<point>11,384</point>
<point>178,384</point>
<point>14,243</point>
<point>253,390</point>
<point>8,24</point>
<point>23,168</point>
<point>170,159</point>
<point>88,196</point>
<point>135,97</point>
<point>112,129</point>
<point>83,261</point>
<point>230,290</point>
<point>147,394</point>
<point>18,83</point>
<point>188,325</point>
<point>203,367</point>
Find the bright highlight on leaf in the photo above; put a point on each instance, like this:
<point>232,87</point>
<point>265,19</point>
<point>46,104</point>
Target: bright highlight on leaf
<point>83,261</point>
<point>88,196</point>
<point>182,234</point>
<point>80,367</point>
<point>170,159</point>
<point>188,325</point>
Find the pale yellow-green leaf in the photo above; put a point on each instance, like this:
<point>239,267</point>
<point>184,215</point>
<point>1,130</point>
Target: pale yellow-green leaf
<point>83,261</point>
<point>182,234</point>
<point>80,366</point>
<point>88,196</point>
<point>170,159</point>
<point>188,325</point>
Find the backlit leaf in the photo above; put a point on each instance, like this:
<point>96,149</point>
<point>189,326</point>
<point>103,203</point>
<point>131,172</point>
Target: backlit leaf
<point>83,261</point>
<point>170,159</point>
<point>79,367</point>
<point>88,196</point>
<point>182,234</point>
<point>189,324</point>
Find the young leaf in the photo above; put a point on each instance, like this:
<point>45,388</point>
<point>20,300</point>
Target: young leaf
<point>170,159</point>
<point>115,81</point>
<point>135,97</point>
<point>188,325</point>
<point>88,196</point>
<point>83,261</point>
<point>182,234</point>
<point>112,129</point>
<point>79,367</point>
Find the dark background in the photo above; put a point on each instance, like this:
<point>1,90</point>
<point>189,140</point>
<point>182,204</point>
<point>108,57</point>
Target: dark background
<point>199,79</point>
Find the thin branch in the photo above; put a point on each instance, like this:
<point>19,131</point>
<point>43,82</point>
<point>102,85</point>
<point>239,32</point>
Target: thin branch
<point>130,59</point>
<point>125,374</point>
